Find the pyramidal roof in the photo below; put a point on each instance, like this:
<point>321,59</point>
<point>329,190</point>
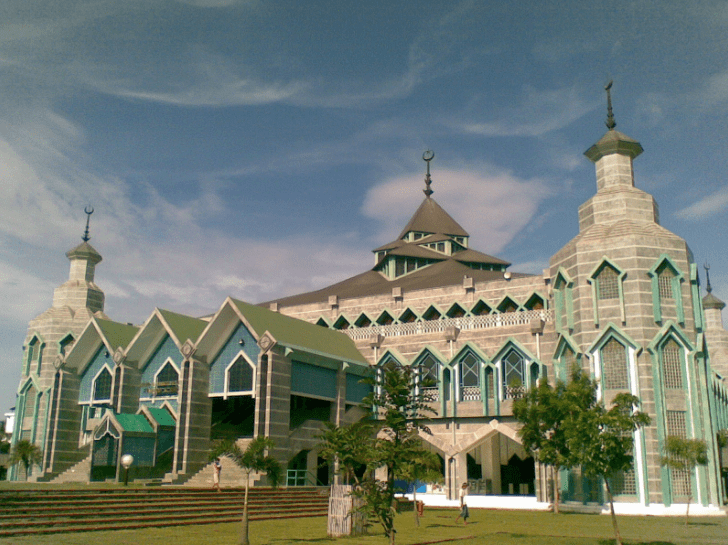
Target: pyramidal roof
<point>430,217</point>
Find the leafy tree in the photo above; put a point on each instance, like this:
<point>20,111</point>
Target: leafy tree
<point>389,439</point>
<point>253,459</point>
<point>399,403</point>
<point>26,453</point>
<point>347,448</point>
<point>684,455</point>
<point>420,466</point>
<point>542,412</point>
<point>601,439</point>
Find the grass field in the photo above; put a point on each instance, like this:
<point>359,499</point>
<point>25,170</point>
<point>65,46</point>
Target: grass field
<point>486,527</point>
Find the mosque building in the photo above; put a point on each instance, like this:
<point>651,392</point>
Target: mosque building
<point>621,299</point>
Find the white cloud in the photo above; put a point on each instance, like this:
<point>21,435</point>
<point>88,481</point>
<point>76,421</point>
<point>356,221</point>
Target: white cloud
<point>537,112</point>
<point>706,207</point>
<point>491,204</point>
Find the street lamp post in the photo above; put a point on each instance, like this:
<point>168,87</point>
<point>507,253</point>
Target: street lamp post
<point>126,462</point>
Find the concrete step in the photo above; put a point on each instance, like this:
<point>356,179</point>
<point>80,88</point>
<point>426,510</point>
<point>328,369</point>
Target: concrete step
<point>52,510</point>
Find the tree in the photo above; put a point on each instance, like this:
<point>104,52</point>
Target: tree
<point>420,466</point>
<point>684,455</point>
<point>347,448</point>
<point>601,439</point>
<point>399,404</point>
<point>26,453</point>
<point>253,458</point>
<point>542,412</point>
<point>389,439</point>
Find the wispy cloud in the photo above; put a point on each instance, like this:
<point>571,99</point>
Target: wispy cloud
<point>706,207</point>
<point>536,112</point>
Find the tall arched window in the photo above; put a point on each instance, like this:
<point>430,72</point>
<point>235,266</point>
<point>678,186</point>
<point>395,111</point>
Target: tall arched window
<point>166,381</point>
<point>514,374</point>
<point>240,376</point>
<point>469,372</point>
<point>672,366</point>
<point>614,366</point>
<point>608,283</point>
<point>429,370</point>
<point>102,386</point>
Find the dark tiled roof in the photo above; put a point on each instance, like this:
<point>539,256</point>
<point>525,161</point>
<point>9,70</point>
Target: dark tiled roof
<point>431,218</point>
<point>473,256</point>
<point>445,273</point>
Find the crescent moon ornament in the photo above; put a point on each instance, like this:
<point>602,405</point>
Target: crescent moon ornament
<point>428,156</point>
<point>89,210</point>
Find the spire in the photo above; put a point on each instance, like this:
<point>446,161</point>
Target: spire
<point>428,156</point>
<point>708,288</point>
<point>88,210</point>
<point>611,123</point>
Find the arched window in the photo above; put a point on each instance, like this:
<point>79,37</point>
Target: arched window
<point>429,371</point>
<point>608,283</point>
<point>102,386</point>
<point>469,372</point>
<point>664,283</point>
<point>614,366</point>
<point>514,374</point>
<point>240,376</point>
<point>166,381</point>
<point>672,366</point>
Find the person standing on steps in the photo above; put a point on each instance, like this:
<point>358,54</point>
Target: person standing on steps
<point>463,504</point>
<point>216,469</point>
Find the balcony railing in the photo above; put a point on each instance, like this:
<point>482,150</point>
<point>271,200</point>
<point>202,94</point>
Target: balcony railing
<point>505,319</point>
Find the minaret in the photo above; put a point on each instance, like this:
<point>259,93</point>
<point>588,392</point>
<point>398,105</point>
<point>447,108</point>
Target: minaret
<point>716,336</point>
<point>616,198</point>
<point>80,291</point>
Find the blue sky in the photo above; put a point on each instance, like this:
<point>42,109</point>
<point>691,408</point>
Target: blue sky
<point>263,148</point>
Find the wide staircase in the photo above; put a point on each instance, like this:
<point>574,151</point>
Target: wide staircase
<point>53,510</point>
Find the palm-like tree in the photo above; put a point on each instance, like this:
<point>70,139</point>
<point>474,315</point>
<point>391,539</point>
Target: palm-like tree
<point>684,455</point>
<point>253,459</point>
<point>26,453</point>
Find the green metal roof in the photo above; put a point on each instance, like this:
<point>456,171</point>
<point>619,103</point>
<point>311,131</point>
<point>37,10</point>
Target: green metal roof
<point>117,334</point>
<point>183,327</point>
<point>134,423</point>
<point>162,416</point>
<point>297,333</point>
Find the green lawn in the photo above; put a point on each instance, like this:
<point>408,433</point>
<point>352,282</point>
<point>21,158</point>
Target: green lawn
<point>486,527</point>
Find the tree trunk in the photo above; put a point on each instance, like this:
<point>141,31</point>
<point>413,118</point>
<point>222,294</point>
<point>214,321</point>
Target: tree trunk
<point>414,503</point>
<point>557,488</point>
<point>690,496</point>
<point>617,537</point>
<point>244,531</point>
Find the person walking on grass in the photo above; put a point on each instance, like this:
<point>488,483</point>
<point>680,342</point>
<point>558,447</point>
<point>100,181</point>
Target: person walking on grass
<point>464,513</point>
<point>216,469</point>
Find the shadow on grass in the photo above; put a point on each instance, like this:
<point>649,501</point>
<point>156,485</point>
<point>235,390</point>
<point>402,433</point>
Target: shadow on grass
<point>611,542</point>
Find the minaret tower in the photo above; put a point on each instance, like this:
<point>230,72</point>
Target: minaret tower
<point>625,299</point>
<point>50,337</point>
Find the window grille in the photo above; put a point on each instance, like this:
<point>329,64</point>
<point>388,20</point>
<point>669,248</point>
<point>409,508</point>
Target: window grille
<point>608,283</point>
<point>470,378</point>
<point>568,360</point>
<point>664,283</point>
<point>102,386</point>
<point>167,380</point>
<point>624,483</point>
<point>676,424</point>
<point>240,376</point>
<point>672,366</point>
<point>680,482</point>
<point>513,374</point>
<point>614,366</point>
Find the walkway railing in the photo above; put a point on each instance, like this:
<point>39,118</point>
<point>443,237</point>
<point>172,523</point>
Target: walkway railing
<point>505,319</point>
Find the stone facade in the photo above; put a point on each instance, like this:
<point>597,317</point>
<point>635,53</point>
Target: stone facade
<point>621,300</point>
